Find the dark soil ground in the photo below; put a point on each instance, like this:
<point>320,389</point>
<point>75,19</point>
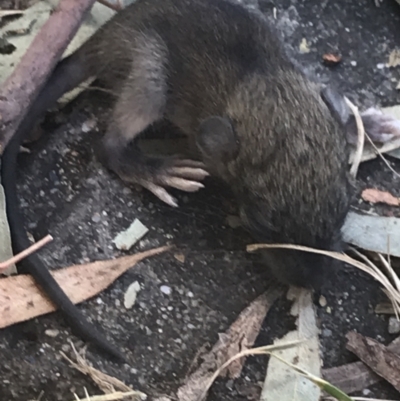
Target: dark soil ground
<point>65,191</point>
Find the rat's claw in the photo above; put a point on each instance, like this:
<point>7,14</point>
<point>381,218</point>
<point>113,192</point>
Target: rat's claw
<point>161,193</point>
<point>182,184</point>
<point>193,173</point>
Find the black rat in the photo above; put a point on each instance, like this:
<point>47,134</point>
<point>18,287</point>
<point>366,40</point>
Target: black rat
<point>218,71</point>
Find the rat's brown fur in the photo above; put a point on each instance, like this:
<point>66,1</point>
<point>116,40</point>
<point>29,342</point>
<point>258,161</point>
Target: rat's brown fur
<point>218,72</point>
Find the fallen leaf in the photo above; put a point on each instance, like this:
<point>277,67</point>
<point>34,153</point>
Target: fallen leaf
<point>394,58</point>
<point>332,59</point>
<point>282,382</point>
<point>373,195</point>
<point>21,299</point>
<point>373,233</point>
<point>5,238</point>
<point>356,376</point>
<point>241,335</point>
<point>378,357</point>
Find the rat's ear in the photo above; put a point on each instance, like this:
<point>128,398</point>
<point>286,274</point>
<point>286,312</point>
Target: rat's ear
<point>336,104</point>
<point>216,139</point>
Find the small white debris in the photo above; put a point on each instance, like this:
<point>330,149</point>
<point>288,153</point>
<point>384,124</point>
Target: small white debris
<point>165,290</point>
<point>353,63</point>
<point>190,294</point>
<point>52,333</point>
<point>380,66</point>
<point>322,301</point>
<point>394,325</point>
<point>131,294</point>
<point>126,239</point>
<point>304,46</point>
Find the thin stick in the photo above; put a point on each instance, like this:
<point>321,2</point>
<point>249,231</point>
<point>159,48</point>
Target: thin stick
<point>360,138</point>
<point>26,252</point>
<point>21,88</point>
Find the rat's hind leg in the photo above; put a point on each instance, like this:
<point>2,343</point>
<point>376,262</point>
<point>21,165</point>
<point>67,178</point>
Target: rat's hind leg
<point>141,103</point>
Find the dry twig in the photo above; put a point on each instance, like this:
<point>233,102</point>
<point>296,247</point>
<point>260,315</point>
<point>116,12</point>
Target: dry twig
<point>22,86</point>
<point>33,248</point>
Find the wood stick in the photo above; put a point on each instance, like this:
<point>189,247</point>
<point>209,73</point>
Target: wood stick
<point>33,248</point>
<point>23,85</point>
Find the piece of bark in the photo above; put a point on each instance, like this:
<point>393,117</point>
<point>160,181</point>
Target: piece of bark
<point>21,299</point>
<point>240,336</point>
<point>22,86</point>
<point>356,376</point>
<point>377,356</point>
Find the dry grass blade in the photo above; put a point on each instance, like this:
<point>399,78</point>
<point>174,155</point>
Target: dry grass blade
<point>253,351</point>
<point>106,383</point>
<point>360,138</point>
<point>380,154</point>
<point>369,268</point>
<point>118,395</point>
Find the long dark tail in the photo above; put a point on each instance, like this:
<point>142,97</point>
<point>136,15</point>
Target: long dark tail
<point>69,73</point>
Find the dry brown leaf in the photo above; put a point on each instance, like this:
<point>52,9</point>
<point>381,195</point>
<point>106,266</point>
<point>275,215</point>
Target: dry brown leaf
<point>373,195</point>
<point>240,336</point>
<point>21,299</point>
<point>378,357</point>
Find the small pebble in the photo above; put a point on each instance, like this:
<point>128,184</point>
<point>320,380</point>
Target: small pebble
<point>96,218</point>
<point>322,301</point>
<point>327,333</point>
<point>190,294</point>
<point>52,333</point>
<point>353,63</point>
<point>380,66</point>
<point>394,325</point>
<point>66,347</point>
<point>165,289</point>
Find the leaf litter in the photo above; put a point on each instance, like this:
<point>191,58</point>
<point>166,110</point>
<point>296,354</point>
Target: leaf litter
<point>21,299</point>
